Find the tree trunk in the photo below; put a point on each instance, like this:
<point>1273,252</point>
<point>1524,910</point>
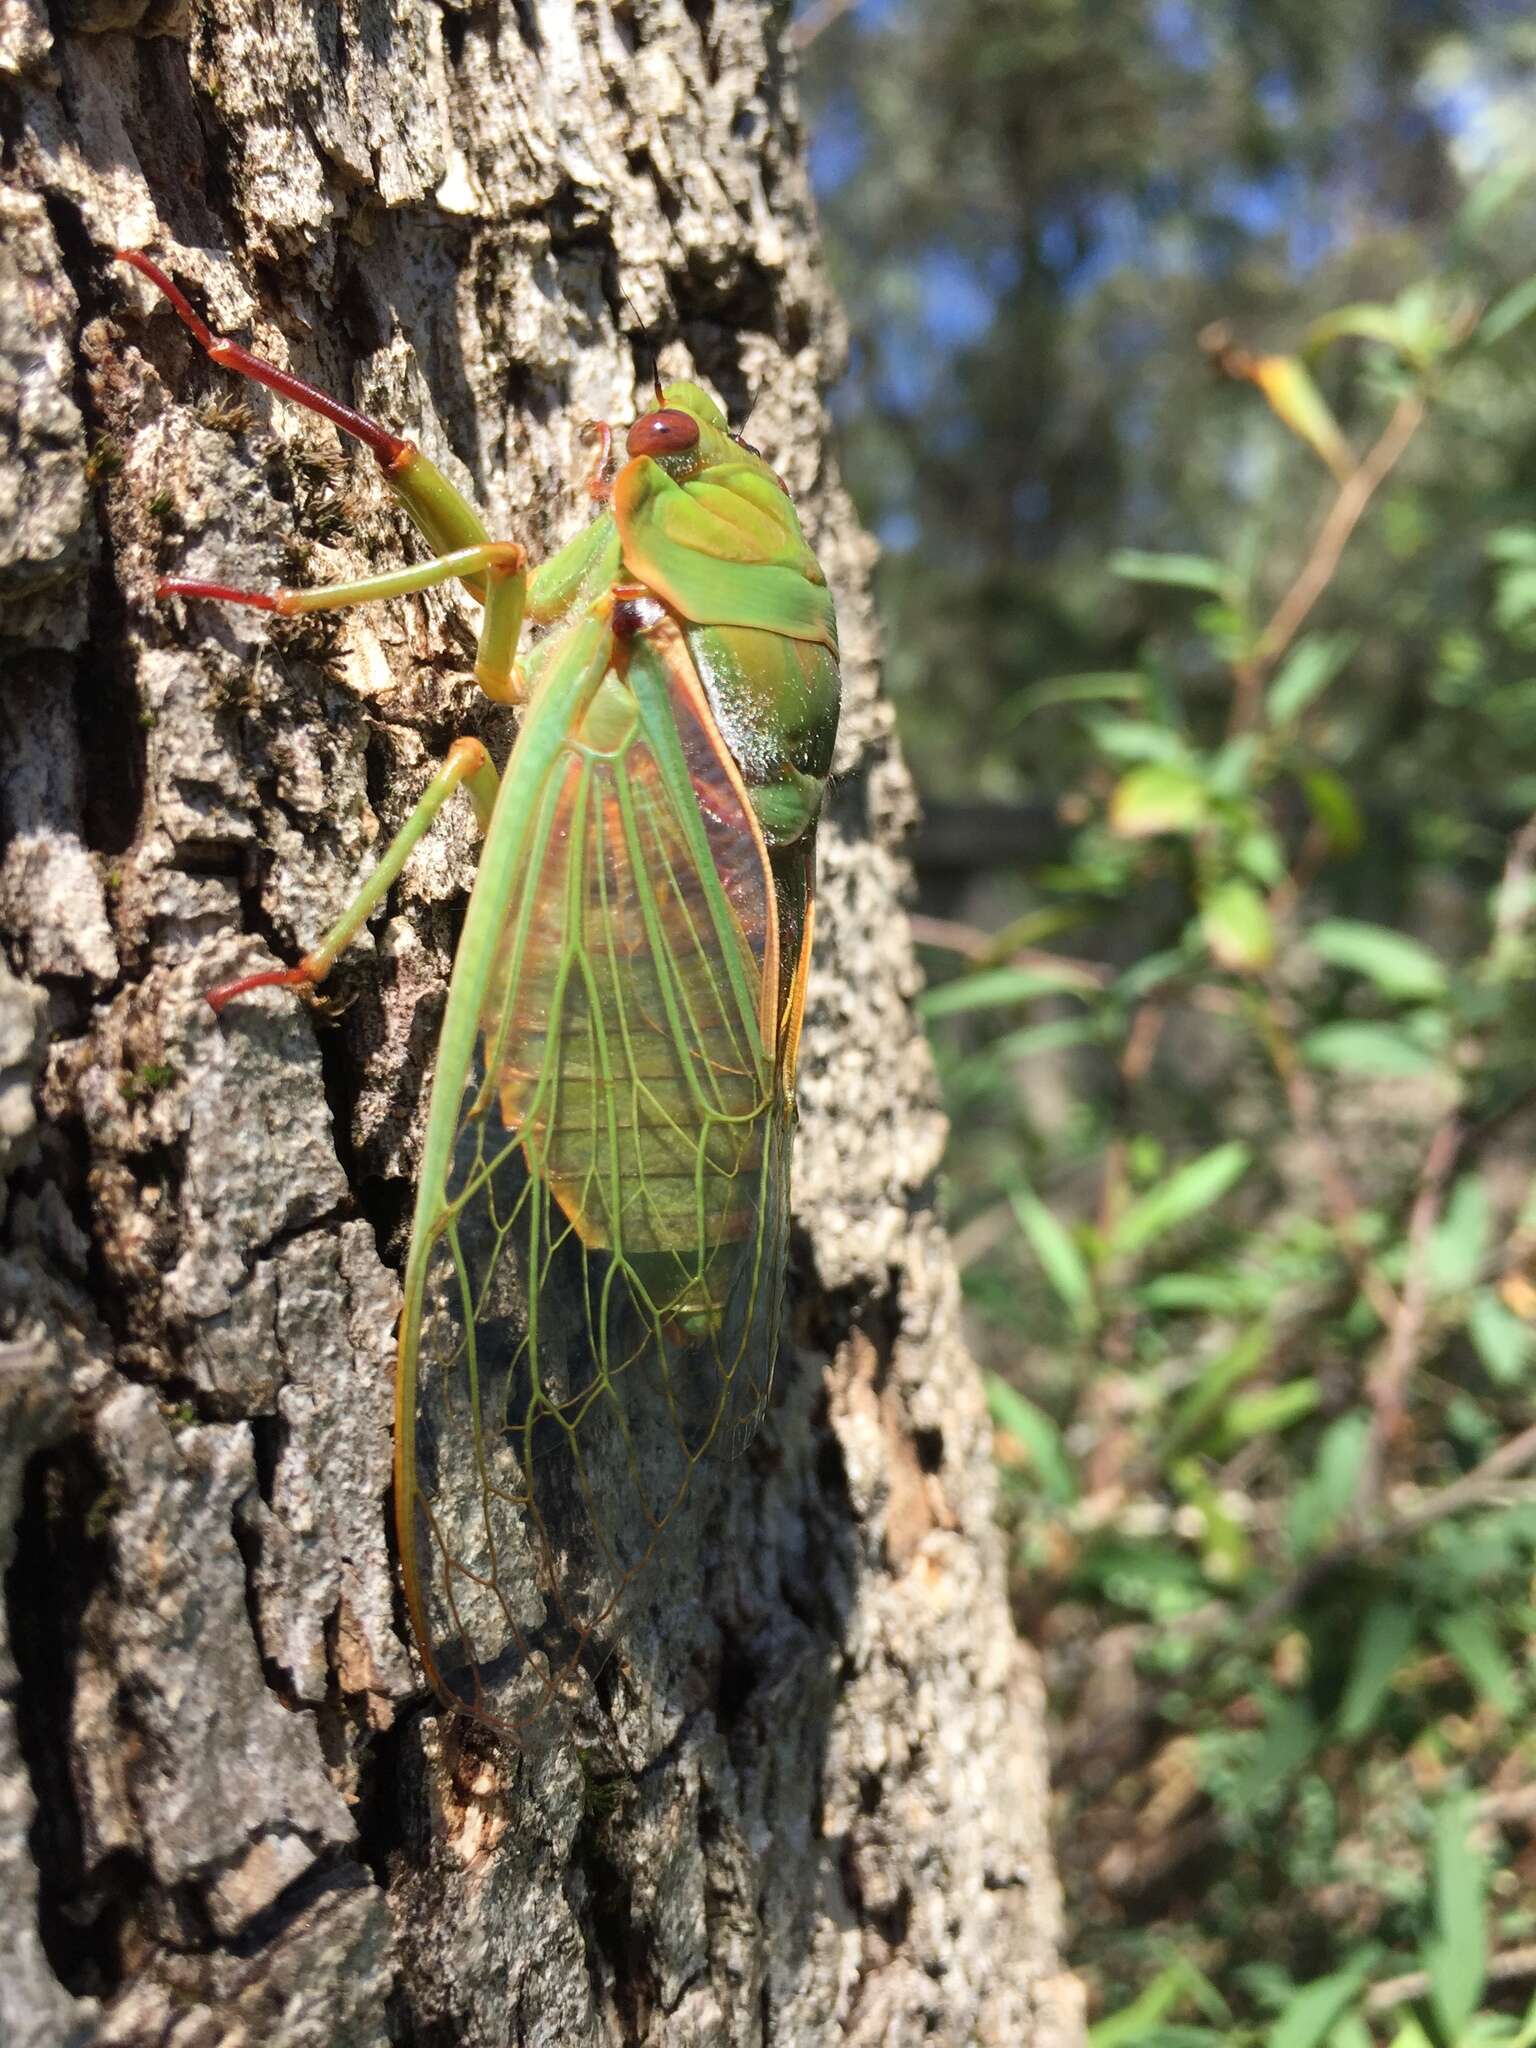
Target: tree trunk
<point>228,1812</point>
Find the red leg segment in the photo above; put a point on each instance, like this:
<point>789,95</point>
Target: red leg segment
<point>391,450</point>
<point>272,977</point>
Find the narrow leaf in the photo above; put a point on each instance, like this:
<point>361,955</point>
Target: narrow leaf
<point>1387,1636</point>
<point>1306,672</point>
<point>1457,1248</point>
<point>1361,323</point>
<point>1184,572</point>
<point>1398,965</point>
<point>1457,1956</point>
<point>1202,1403</point>
<point>1113,686</point>
<point>1000,987</point>
<point>1056,1036</point>
<point>1471,1638</point>
<point>1287,383</point>
<point>1060,1259</point>
<point>1036,1433</point>
<point>1508,313</point>
<point>1291,1735</point>
<point>1367,1049</point>
<point>1351,2032</point>
<point>1268,1410</point>
<point>1324,1496</point>
<point>1312,2012</point>
<point>1179,1199</point>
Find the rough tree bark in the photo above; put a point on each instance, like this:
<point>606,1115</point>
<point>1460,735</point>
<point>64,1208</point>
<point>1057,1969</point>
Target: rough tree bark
<point>227,1813</point>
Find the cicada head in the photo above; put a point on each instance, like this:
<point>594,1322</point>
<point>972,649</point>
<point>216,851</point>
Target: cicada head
<point>686,432</point>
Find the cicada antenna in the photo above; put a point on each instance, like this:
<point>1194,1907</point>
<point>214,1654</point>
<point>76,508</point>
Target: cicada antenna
<point>644,332</point>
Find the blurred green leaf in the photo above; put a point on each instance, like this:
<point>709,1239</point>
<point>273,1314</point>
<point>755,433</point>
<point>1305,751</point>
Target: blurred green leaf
<point>1472,1639</point>
<point>1508,313</point>
<point>1515,598</point>
<point>1333,805</point>
<point>1367,1049</point>
<point>1460,1241</point>
<point>1034,1430</point>
<point>1137,739</point>
<point>1456,1957</point>
<point>1154,970</point>
<point>1363,322</point>
<point>1261,855</point>
<point>1313,2011</point>
<point>997,988</point>
<point>1351,2032</point>
<point>1268,1410</point>
<point>1202,1403</point>
<point>1502,1341</point>
<point>1185,1194</point>
<point>1388,1631</point>
<point>1221,1294</point>
<point>1229,770</point>
<point>1411,2035</point>
<point>1526,2037</point>
<point>1512,544</point>
<point>1399,966</point>
<point>1157,797</point>
<point>1060,1259</point>
<point>1226,1554</point>
<point>1417,326</point>
<point>1236,923</point>
<point>1184,572</point>
<point>1135,2025</point>
<point>1055,1036</point>
<point>1325,1496</point>
<point>1149,1578</point>
<point>1490,194</point>
<point>1124,686</point>
<point>1308,669</point>
<point>1291,1735</point>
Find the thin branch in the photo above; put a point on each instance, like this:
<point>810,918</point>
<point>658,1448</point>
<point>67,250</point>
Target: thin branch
<point>1343,517</point>
<point>1508,1968</point>
<point>948,935</point>
<point>1318,571</point>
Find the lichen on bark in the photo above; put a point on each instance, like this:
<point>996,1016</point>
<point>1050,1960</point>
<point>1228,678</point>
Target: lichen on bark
<point>227,1812</point>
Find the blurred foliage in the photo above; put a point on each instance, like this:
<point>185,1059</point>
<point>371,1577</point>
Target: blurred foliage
<point>1193,391</point>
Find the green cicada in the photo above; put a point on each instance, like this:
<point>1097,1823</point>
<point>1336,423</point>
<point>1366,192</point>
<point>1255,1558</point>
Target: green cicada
<point>597,1261</point>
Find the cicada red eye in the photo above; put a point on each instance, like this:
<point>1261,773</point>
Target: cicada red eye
<point>667,432</point>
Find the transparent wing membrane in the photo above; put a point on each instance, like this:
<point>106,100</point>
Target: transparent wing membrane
<point>600,1283</point>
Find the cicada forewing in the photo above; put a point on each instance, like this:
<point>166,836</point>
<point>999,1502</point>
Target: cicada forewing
<point>596,1278</point>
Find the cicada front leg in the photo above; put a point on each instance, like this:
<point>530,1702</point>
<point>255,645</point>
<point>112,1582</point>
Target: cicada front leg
<point>495,572</point>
